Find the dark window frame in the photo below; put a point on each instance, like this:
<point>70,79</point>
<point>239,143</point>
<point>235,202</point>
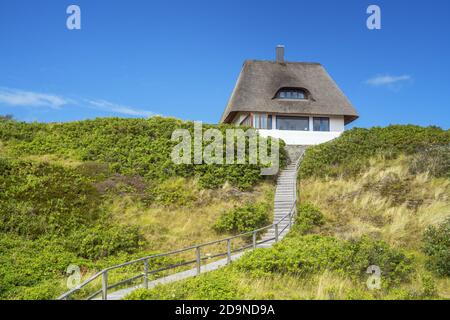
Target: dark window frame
<point>320,124</point>
<point>269,122</point>
<point>283,92</point>
<point>304,118</point>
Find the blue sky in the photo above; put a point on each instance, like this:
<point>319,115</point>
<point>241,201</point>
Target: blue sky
<point>181,58</point>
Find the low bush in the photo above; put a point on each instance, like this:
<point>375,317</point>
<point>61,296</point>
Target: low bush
<point>220,285</point>
<point>25,263</point>
<point>348,154</point>
<point>103,240</point>
<point>308,217</point>
<point>311,254</point>
<point>429,289</point>
<point>38,199</point>
<point>436,246</point>
<point>243,219</point>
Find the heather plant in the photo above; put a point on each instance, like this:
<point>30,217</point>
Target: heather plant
<point>311,254</point>
<point>308,217</point>
<point>243,218</point>
<point>437,247</point>
<point>351,152</point>
<point>129,147</point>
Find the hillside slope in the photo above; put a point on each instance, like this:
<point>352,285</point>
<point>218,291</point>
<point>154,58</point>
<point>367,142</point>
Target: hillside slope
<point>377,196</point>
<point>100,192</point>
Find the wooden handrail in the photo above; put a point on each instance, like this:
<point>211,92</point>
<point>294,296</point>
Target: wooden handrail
<point>104,273</point>
<point>198,248</point>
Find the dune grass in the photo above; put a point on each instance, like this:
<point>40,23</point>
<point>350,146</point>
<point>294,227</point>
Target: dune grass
<point>167,228</point>
<point>385,201</point>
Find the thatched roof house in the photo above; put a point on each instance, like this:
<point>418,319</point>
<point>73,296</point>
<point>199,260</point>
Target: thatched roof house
<point>296,101</point>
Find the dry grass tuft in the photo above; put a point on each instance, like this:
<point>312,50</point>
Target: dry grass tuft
<point>323,286</point>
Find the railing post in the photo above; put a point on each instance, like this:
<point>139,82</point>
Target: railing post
<point>105,285</point>
<point>276,232</point>
<point>146,274</point>
<point>229,251</point>
<point>254,239</point>
<point>198,258</point>
<point>290,219</point>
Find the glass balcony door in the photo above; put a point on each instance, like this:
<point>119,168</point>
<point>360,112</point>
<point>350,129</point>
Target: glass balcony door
<point>262,121</point>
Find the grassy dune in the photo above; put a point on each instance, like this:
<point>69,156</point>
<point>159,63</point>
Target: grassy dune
<point>367,198</point>
<point>101,192</point>
<point>385,201</point>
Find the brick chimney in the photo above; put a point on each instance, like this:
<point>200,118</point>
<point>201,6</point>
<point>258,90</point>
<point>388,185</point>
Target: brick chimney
<point>280,53</point>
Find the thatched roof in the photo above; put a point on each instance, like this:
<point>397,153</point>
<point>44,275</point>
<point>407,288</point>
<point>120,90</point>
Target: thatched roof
<point>259,82</point>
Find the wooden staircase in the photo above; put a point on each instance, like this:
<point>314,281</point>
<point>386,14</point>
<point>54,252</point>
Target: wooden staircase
<point>285,198</point>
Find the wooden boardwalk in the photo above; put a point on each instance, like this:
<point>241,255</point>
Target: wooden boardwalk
<point>285,197</point>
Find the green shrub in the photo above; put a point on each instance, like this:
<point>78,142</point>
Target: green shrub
<point>308,217</point>
<point>45,290</point>
<point>213,176</point>
<point>429,289</point>
<point>129,146</point>
<point>395,265</point>
<point>103,240</point>
<point>348,154</point>
<point>243,219</point>
<point>312,254</point>
<point>39,199</point>
<point>25,263</point>
<point>436,242</point>
<point>50,217</point>
<point>219,285</point>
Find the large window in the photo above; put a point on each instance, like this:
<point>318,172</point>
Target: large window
<point>262,121</point>
<point>321,124</point>
<point>293,123</point>
<point>291,93</point>
<point>269,122</point>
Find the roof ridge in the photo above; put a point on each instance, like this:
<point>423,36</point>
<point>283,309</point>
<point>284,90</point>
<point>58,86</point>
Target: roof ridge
<point>285,62</point>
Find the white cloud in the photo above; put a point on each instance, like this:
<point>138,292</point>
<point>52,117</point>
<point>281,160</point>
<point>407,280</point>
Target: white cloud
<point>14,97</point>
<point>113,107</point>
<point>21,98</point>
<point>387,80</point>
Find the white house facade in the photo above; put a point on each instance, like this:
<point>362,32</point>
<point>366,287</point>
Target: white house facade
<point>295,101</point>
<point>315,129</point>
